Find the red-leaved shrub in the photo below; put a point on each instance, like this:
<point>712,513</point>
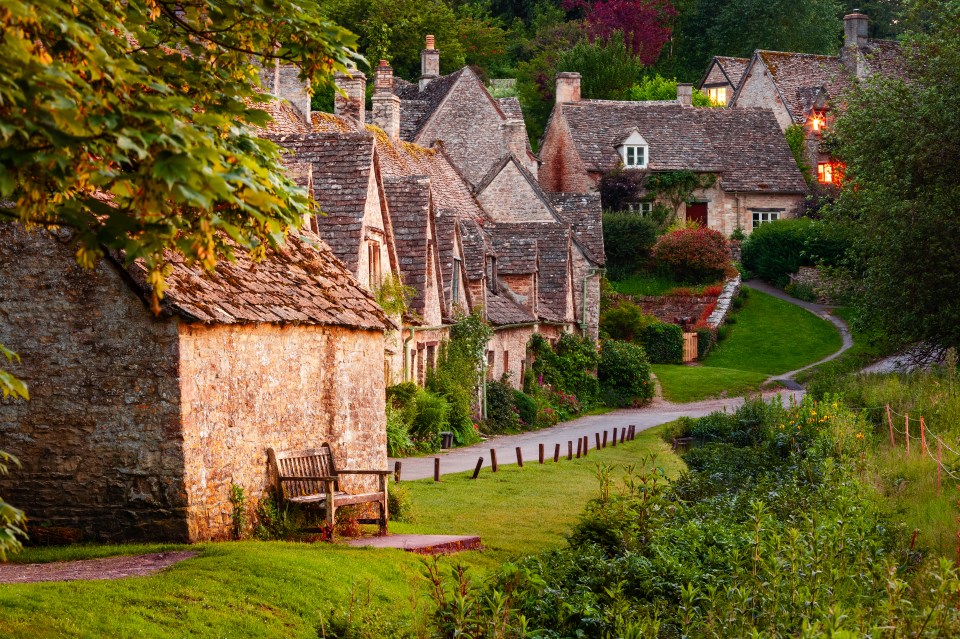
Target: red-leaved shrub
<point>693,255</point>
<point>712,291</point>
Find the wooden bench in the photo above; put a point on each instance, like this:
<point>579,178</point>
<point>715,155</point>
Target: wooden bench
<point>310,477</point>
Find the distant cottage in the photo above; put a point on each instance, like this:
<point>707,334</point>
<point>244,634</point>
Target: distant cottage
<point>138,425</point>
<point>757,177</point>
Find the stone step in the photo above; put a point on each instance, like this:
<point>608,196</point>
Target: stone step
<point>421,544</point>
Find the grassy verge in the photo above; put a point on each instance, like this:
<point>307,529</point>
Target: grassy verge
<point>768,336</point>
<point>864,352</point>
<point>278,589</point>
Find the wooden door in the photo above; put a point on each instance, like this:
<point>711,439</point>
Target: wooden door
<point>697,212</point>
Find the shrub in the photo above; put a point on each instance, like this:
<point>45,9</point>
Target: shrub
<point>694,255</point>
<point>775,250</point>
<point>430,417</point>
<point>502,414</point>
<point>273,523</point>
<point>568,367</point>
<point>399,503</point>
<point>399,443</point>
<point>626,321</point>
<point>706,338</point>
<point>801,291</point>
<point>663,343</point>
<point>624,373</point>
<point>627,241</point>
<point>526,408</point>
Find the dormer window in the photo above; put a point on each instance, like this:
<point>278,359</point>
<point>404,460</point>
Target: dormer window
<point>717,96</point>
<point>634,151</point>
<point>818,122</point>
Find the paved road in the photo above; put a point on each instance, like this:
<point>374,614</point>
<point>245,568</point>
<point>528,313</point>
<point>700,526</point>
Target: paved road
<point>659,412</point>
<point>820,310</point>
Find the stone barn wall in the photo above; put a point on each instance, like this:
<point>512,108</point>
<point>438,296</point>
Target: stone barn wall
<point>561,169</point>
<point>99,439</point>
<point>246,388</point>
<point>513,341</point>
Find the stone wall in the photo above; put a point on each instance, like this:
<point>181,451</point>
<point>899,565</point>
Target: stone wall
<point>561,169</point>
<point>468,124</point>
<point>672,308</point>
<point>758,90</point>
<point>584,273</point>
<point>510,198</point>
<point>99,439</point>
<point>248,388</point>
<point>513,341</point>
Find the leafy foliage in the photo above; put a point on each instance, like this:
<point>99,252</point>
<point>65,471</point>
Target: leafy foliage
<point>502,413</point>
<point>676,187</point>
<point>643,25</point>
<point>656,87</point>
<point>694,255</point>
<point>627,241</point>
<point>605,65</point>
<point>625,321</point>
<point>624,373</point>
<point>663,343</point>
<point>12,520</point>
<point>570,366</point>
<point>796,140</point>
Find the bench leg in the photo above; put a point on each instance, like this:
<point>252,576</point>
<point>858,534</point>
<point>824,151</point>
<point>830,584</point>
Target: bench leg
<point>331,511</point>
<point>384,510</point>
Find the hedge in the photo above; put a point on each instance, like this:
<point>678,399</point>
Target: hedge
<point>624,373</point>
<point>627,241</point>
<point>663,343</point>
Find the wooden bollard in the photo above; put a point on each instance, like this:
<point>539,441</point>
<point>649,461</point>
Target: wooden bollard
<point>630,432</point>
<point>436,469</point>
<point>396,471</point>
<point>519,457</point>
<point>604,439</point>
<point>476,471</point>
<point>541,453</point>
<point>598,440</point>
<point>579,447</point>
<point>586,445</point>
<point>493,459</point>
<point>556,453</point>
<point>614,441</point>
<point>623,434</point>
<point>569,449</point>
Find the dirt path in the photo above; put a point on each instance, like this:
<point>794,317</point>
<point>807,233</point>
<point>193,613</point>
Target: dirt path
<point>106,568</point>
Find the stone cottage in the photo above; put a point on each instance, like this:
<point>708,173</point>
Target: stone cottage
<point>757,178</point>
<point>722,78</point>
<point>806,89</point>
<point>138,424</point>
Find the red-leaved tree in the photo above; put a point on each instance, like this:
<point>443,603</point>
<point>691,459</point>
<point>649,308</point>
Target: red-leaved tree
<point>645,23</point>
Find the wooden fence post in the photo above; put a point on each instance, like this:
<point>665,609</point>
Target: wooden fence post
<point>623,434</point>
<point>604,439</point>
<point>569,449</point>
<point>519,457</point>
<point>396,471</point>
<point>476,471</point>
<point>579,447</point>
<point>586,445</point>
<point>436,469</point>
<point>906,423</point>
<point>493,459</point>
<point>556,453</point>
<point>598,440</point>
<point>614,442</point>
<point>893,441</point>
<point>541,453</point>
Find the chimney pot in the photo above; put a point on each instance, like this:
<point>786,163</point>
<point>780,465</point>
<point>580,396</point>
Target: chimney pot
<point>429,64</point>
<point>430,42</point>
<point>568,87</point>
<point>855,29</point>
<point>383,80</point>
<point>685,94</point>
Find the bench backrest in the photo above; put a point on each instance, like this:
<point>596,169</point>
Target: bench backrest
<point>304,463</point>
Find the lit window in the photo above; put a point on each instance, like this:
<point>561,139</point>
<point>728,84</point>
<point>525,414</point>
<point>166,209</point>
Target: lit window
<point>640,208</point>
<point>635,157</point>
<point>818,122</point>
<point>718,96</point>
<point>825,173</point>
<point>763,217</point>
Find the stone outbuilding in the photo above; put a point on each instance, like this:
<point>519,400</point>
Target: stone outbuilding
<point>756,176</point>
<point>138,424</point>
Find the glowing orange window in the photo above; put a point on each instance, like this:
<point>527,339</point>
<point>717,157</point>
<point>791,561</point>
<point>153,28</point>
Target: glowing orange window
<point>825,173</point>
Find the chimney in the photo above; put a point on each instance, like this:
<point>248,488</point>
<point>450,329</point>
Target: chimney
<point>386,105</point>
<point>284,82</point>
<point>685,94</point>
<point>568,87</point>
<point>855,29</point>
<point>352,103</point>
<point>429,64</point>
<point>514,134</point>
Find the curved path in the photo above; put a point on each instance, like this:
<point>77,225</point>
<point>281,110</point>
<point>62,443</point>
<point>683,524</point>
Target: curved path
<point>458,460</point>
<point>821,311</point>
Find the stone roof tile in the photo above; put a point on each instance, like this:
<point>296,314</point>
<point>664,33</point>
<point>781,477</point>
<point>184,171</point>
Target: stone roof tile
<point>553,248</point>
<point>501,311</point>
<point>584,214</point>
<point>408,199</point>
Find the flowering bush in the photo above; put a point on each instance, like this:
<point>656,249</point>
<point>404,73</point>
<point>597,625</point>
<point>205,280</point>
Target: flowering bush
<point>694,255</point>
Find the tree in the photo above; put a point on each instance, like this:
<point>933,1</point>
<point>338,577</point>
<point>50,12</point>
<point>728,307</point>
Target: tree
<point>900,139</point>
<point>644,25</point>
<point>606,66</point>
<point>656,87</point>
<point>130,125</point>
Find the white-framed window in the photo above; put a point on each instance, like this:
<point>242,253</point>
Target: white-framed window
<point>762,216</point>
<point>634,151</point>
<point>455,283</point>
<point>374,274</point>
<point>718,95</point>
<point>640,208</point>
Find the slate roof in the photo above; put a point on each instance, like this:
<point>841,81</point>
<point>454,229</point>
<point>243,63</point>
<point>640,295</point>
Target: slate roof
<point>299,283</point>
<point>341,163</point>
<point>584,214</point>
<point>417,106</point>
<point>553,246</point>
<point>733,68</point>
<point>515,255</point>
<point>511,108</point>
<point>408,199</point>
<point>745,146</point>
<point>476,246</point>
<point>501,310</point>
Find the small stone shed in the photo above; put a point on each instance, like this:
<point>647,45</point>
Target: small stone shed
<point>138,424</point>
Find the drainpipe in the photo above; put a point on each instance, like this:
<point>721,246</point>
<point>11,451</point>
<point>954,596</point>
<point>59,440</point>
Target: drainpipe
<point>590,273</point>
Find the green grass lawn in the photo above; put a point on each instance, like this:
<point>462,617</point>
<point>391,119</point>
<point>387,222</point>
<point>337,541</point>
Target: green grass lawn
<point>769,337</point>
<point>654,284</point>
<point>278,589</point>
<point>864,352</point>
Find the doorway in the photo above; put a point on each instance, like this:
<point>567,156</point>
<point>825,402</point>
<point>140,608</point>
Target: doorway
<point>697,212</point>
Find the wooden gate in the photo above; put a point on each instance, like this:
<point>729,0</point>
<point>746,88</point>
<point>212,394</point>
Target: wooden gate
<point>689,347</point>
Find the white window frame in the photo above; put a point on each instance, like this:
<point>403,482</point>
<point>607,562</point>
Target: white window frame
<point>765,216</point>
<point>642,208</point>
<point>634,151</point>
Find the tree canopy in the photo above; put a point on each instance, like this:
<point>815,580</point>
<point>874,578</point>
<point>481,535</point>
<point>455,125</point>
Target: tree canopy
<point>899,140</point>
